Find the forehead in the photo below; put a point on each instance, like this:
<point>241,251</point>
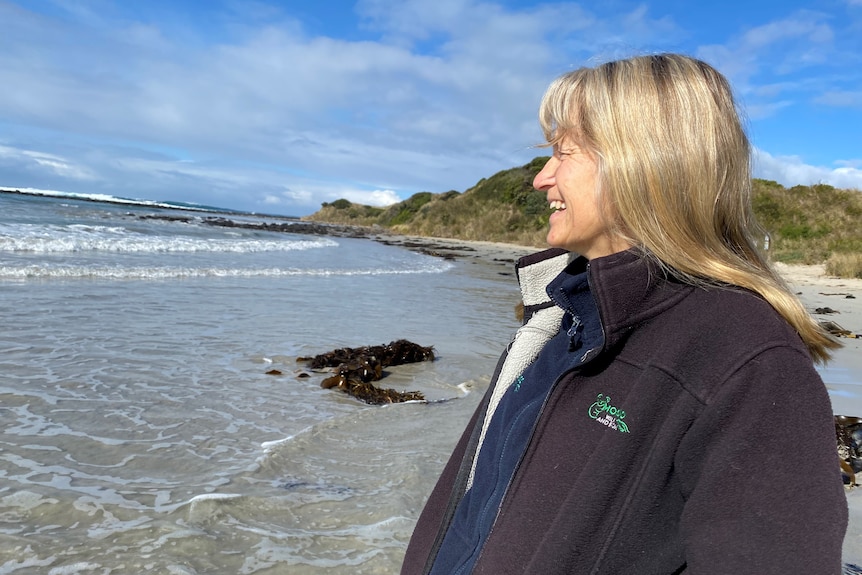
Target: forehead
<point>567,137</point>
<point>568,142</point>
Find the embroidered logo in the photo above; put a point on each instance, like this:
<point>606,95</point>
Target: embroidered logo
<point>518,383</point>
<point>606,414</point>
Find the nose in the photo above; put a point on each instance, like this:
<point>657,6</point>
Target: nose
<point>546,178</point>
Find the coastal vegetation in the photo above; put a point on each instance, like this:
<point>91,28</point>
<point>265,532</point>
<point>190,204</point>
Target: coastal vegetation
<point>816,224</point>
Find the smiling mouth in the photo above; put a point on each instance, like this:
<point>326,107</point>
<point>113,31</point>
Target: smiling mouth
<point>557,206</point>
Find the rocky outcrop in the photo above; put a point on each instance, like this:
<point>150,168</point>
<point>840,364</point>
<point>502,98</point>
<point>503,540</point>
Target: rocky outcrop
<point>292,227</point>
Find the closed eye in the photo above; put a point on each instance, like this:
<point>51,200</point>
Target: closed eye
<point>565,150</point>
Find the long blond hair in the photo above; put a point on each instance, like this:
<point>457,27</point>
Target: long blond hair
<point>675,173</point>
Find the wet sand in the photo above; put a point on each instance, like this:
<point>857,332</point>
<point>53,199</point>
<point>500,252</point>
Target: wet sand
<point>836,300</point>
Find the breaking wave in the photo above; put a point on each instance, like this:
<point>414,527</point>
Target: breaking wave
<point>161,273</point>
<point>118,240</point>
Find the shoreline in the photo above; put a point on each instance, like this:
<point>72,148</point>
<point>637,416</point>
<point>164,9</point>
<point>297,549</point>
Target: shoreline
<point>827,298</point>
<point>818,291</point>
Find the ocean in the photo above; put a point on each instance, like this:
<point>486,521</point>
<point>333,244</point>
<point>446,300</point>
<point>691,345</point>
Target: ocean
<point>144,430</point>
<point>140,430</point>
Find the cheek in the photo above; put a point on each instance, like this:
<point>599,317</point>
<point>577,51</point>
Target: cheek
<point>584,216</point>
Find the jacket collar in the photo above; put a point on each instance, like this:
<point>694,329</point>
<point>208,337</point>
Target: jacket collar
<point>535,272</point>
<point>629,287</point>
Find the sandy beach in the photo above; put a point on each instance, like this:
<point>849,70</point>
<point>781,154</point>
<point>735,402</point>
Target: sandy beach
<point>828,298</point>
<point>837,300</point>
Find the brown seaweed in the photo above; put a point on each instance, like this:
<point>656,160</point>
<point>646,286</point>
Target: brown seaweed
<point>838,331</point>
<point>356,368</point>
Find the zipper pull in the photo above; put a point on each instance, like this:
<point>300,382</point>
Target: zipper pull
<point>574,333</point>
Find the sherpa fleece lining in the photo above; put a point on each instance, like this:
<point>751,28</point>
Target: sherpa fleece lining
<point>531,337</point>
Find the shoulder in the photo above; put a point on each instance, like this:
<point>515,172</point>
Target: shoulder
<point>738,317</point>
<point>712,335</point>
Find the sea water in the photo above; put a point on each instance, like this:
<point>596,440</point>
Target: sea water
<point>141,432</point>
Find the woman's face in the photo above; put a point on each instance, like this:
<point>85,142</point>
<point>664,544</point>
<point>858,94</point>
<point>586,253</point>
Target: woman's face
<point>570,180</point>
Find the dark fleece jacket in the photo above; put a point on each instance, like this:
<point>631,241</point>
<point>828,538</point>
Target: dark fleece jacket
<point>699,440</point>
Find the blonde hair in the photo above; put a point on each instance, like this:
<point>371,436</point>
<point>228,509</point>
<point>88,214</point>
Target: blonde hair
<point>674,172</point>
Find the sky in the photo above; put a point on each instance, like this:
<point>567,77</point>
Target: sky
<point>278,106</point>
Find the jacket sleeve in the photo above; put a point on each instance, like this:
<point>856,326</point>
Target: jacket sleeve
<point>436,509</point>
<point>760,474</point>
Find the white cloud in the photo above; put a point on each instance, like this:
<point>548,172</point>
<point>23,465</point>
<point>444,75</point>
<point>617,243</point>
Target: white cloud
<point>841,98</point>
<point>478,84</point>
<point>850,163</point>
<point>778,47</point>
<point>373,112</point>
<point>29,160</point>
<point>757,110</point>
<point>791,171</point>
<point>801,25</point>
<point>381,198</point>
<point>435,96</point>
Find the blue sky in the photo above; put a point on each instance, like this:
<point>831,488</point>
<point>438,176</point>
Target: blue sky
<point>276,107</point>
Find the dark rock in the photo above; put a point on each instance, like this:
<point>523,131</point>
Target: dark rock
<point>166,217</point>
<point>848,433</point>
<point>291,227</point>
<point>429,248</point>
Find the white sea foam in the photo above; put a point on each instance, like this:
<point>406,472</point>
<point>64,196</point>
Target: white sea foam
<point>270,446</point>
<point>117,240</point>
<point>99,198</point>
<point>213,497</point>
<point>14,566</point>
<point>46,271</point>
<point>80,567</point>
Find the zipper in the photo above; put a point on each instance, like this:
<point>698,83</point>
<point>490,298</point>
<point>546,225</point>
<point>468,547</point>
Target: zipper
<point>521,459</point>
<point>461,477</point>
<point>583,361</point>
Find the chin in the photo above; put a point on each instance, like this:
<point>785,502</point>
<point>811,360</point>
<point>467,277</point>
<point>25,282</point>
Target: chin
<point>554,243</point>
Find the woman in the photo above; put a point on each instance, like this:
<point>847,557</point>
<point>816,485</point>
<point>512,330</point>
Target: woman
<point>658,412</point>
